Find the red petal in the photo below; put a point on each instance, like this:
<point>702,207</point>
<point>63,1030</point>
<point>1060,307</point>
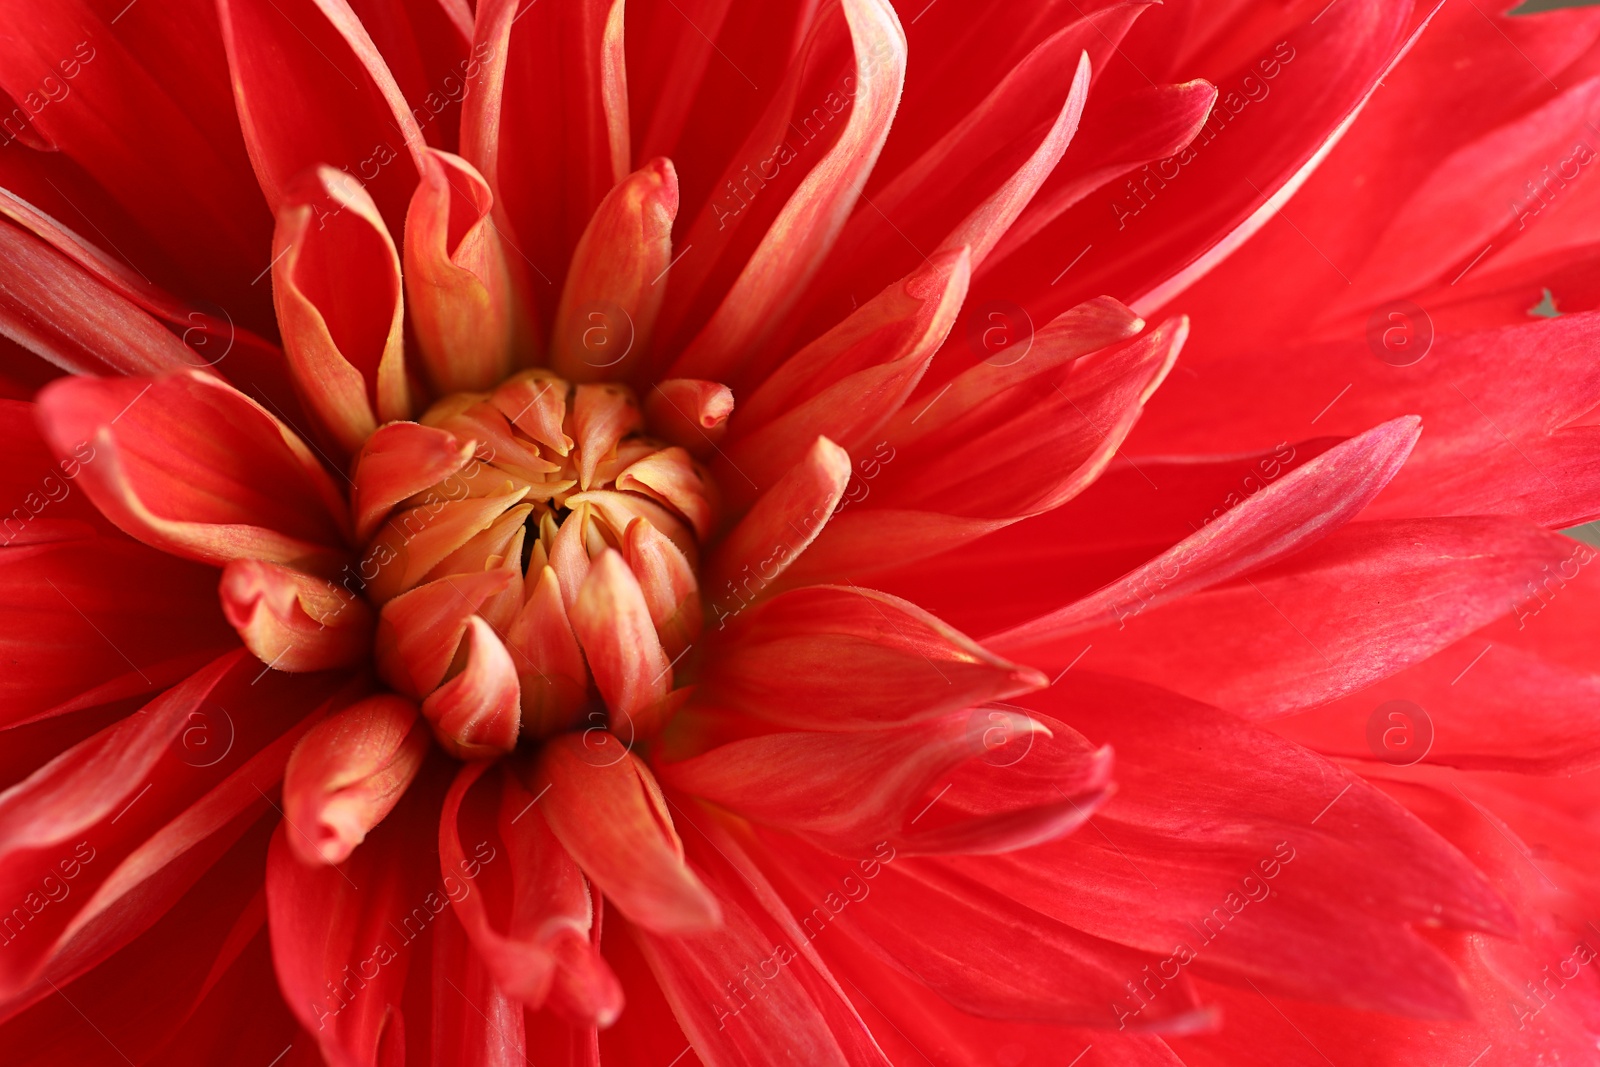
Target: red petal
<point>614,288</point>
<point>689,412</point>
<point>456,277</point>
<point>783,522</point>
<point>1297,510</point>
<point>418,632</point>
<point>141,809</point>
<point>606,809</point>
<point>850,382</point>
<point>97,619</point>
<point>195,468</point>
<point>59,311</point>
<point>845,791</point>
<point>288,58</point>
<point>550,665</point>
<point>477,714</point>
<point>347,773</point>
<point>294,621</point>
<point>1366,602</point>
<point>343,938</point>
<point>798,240</point>
<point>336,286</point>
<point>852,659</point>
<point>613,624</point>
<point>531,921</point>
<point>397,462</point>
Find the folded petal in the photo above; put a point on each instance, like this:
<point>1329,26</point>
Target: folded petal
<point>456,277</point>
<point>478,713</point>
<point>397,462</point>
<point>604,323</point>
<point>786,519</point>
<point>336,286</point>
<point>294,621</point>
<point>535,928</point>
<point>605,807</point>
<point>193,467</point>
<point>612,621</point>
<point>347,773</point>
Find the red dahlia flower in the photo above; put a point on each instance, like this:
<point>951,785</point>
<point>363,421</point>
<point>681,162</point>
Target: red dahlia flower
<point>497,496</point>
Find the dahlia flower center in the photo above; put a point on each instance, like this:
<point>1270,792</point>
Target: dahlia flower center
<point>540,571</point>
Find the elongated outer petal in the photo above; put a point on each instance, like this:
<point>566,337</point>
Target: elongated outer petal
<point>849,383</point>
<point>690,413</point>
<point>987,953</point>
<point>287,59</point>
<point>756,982</point>
<point>148,128</point>
<point>347,773</point>
<point>334,926</point>
<point>399,461</point>
<point>192,466</point>
<point>336,287</point>
<point>534,930</point>
<point>294,621</point>
<point>786,519</point>
<point>793,248</point>
<point>144,805</point>
<point>846,790</point>
<point>614,287</point>
<point>550,667</point>
<point>1369,600</point>
<point>606,808</point>
<point>1327,879</point>
<point>841,658</point>
<point>52,307</point>
<point>456,277</point>
<point>1304,505</point>
<point>612,621</point>
<point>477,714</point>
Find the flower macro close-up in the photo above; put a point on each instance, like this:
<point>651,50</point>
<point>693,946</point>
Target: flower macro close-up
<point>834,533</point>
